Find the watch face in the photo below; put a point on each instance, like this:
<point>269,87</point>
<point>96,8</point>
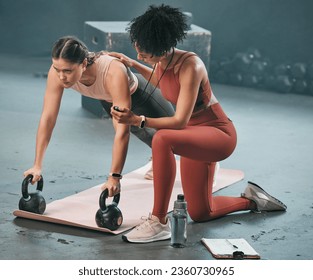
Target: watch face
<point>143,122</point>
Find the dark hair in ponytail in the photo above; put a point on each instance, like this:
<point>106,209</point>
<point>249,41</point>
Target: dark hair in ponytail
<point>73,50</point>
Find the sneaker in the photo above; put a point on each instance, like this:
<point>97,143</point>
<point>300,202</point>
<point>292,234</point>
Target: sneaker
<point>149,173</point>
<point>149,231</point>
<point>264,201</point>
<point>217,168</point>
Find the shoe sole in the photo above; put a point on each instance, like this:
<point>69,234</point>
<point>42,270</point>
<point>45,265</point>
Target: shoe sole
<point>124,237</point>
<point>274,200</point>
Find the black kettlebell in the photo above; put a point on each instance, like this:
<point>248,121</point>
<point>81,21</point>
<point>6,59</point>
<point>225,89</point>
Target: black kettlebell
<point>32,202</point>
<point>109,216</point>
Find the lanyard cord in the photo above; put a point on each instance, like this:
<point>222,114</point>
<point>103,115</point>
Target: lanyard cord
<point>153,70</point>
<point>168,64</point>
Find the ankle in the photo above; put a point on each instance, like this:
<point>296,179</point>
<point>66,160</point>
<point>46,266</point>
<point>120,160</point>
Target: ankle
<point>252,205</point>
<point>162,220</point>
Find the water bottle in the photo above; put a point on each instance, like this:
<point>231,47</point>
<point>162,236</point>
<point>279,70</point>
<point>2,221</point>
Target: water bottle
<point>179,223</point>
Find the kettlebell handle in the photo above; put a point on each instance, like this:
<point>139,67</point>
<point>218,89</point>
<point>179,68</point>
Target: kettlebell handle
<point>26,182</point>
<point>104,195</point>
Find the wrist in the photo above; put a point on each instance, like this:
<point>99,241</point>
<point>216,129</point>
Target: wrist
<point>135,64</point>
<point>37,166</point>
<point>116,175</point>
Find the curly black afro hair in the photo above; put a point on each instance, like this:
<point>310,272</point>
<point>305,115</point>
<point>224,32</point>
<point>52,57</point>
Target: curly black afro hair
<point>159,29</point>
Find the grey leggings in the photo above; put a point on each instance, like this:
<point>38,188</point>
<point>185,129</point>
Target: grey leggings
<point>148,102</point>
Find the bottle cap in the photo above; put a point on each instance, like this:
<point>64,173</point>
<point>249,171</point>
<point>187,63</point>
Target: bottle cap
<point>180,203</point>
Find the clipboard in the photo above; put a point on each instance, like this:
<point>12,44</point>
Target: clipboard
<point>230,248</point>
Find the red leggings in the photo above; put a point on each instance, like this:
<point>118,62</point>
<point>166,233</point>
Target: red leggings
<point>209,137</point>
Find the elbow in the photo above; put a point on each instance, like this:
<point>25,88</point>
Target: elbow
<point>181,124</point>
<point>179,121</point>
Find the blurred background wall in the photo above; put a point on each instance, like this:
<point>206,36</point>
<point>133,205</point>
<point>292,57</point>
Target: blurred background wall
<point>281,29</point>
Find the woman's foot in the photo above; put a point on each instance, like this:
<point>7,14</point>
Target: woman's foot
<point>263,201</point>
<point>217,168</point>
<point>149,173</point>
<point>149,231</point>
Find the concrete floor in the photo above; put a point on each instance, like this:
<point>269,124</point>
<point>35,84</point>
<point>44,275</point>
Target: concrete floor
<point>275,150</point>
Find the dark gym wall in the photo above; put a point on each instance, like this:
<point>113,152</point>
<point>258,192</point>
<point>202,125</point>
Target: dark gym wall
<point>281,29</point>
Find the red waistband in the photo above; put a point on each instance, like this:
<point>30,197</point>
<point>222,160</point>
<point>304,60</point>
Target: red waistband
<point>209,115</point>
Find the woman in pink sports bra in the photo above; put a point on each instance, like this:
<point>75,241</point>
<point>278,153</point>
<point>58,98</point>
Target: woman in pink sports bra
<point>102,77</point>
<point>199,132</point>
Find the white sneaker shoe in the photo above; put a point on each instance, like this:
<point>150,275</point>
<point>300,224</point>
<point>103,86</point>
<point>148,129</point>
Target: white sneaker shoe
<point>149,231</point>
<point>149,173</point>
<point>217,168</point>
<point>263,200</point>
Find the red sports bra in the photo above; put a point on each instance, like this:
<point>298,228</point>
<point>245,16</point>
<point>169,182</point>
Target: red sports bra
<point>170,86</point>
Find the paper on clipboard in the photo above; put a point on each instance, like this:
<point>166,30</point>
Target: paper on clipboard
<point>230,248</point>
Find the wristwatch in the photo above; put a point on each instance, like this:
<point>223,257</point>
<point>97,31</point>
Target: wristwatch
<point>142,122</point>
<point>116,175</point>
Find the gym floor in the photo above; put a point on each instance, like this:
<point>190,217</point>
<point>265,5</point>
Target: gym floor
<point>275,136</point>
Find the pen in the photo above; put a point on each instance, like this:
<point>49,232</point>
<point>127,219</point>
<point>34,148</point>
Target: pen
<point>233,245</point>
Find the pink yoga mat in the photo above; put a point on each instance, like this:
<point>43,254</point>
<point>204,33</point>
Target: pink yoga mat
<point>136,201</point>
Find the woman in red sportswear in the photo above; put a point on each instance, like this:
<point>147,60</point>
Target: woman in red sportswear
<point>200,132</point>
